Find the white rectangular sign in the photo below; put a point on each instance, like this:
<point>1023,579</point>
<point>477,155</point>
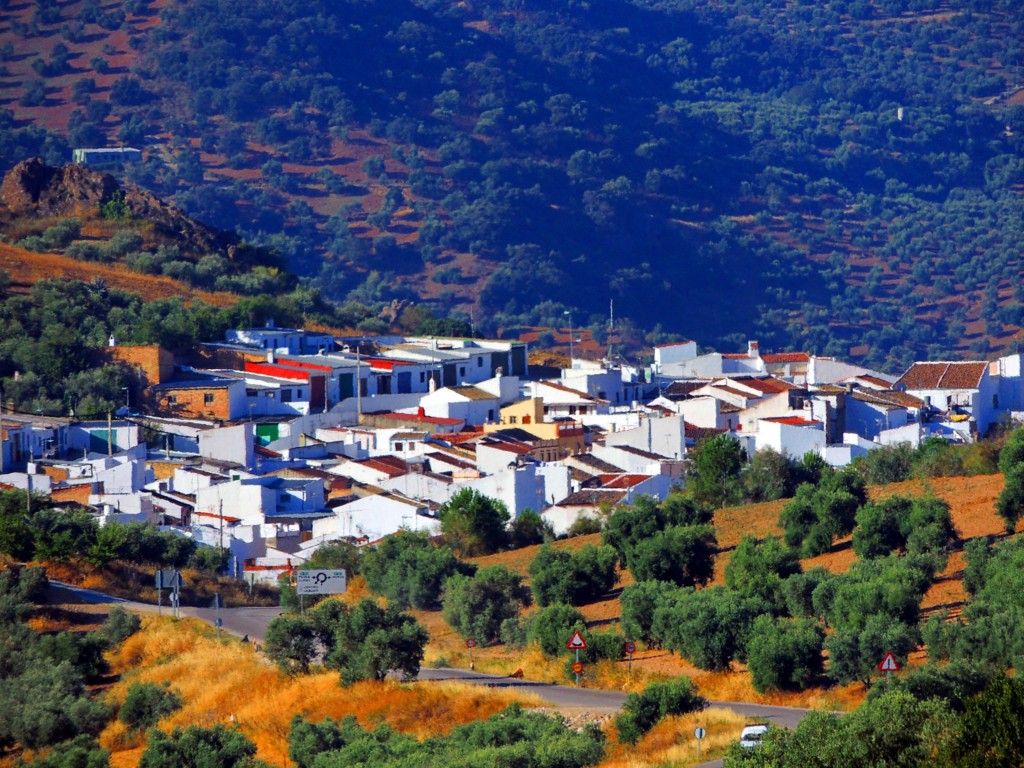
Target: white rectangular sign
<point>321,582</point>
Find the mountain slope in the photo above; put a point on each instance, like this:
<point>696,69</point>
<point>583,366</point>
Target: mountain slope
<point>841,176</point>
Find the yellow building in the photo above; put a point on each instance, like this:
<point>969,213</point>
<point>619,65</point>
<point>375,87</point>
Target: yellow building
<point>565,435</point>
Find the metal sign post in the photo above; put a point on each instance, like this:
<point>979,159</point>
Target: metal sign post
<point>471,644</point>
<point>218,603</point>
<point>630,650</point>
<point>700,733</point>
<point>577,643</point>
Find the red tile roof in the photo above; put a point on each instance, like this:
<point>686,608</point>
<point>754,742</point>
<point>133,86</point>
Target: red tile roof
<point>699,433</point>
<point>592,498</point>
<point>944,375</point>
<point>622,481</point>
<point>765,384</point>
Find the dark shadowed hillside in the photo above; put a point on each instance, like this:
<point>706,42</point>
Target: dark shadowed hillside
<point>844,177</point>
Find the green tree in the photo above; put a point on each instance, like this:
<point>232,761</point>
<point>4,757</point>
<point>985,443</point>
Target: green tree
<point>473,523</point>
<point>551,627</point>
<point>561,576</point>
<point>370,642</point>
<point>638,603</point>
<point>529,529</point>
<point>709,627</point>
<point>410,570</point>
<point>713,471</point>
<point>476,606</point>
<point>759,569</point>
<point>991,732</point>
<point>681,554</point>
<point>1012,453</point>
<point>1010,504</point>
<point>783,654</point>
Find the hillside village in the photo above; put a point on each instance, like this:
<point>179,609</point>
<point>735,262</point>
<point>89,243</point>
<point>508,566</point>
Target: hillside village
<point>284,439</point>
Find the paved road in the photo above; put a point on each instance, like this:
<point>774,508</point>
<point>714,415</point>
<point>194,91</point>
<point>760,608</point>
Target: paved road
<point>253,622</point>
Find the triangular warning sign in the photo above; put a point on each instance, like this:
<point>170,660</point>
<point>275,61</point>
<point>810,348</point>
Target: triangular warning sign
<point>576,642</point>
<point>889,663</point>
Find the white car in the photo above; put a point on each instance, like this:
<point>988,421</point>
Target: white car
<point>752,734</point>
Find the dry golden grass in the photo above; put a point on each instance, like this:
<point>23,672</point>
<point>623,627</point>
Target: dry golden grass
<point>972,506</point>
<point>223,680</point>
<point>671,742</point>
<point>26,268</point>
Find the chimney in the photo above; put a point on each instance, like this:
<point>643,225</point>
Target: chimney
<point>270,323</point>
<point>420,411</point>
<point>271,357</point>
<point>752,350</point>
<point>432,387</point>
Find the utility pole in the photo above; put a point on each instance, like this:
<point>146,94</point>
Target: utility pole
<point>110,434</point>
<point>220,511</point>
<point>359,386</point>
<point>569,315</point>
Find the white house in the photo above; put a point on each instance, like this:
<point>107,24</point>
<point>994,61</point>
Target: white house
<point>790,435</point>
<point>956,388</point>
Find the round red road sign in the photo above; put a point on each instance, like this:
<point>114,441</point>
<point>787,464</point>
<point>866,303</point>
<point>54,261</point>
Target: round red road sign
<point>577,667</point>
<point>630,647</point>
<point>470,643</point>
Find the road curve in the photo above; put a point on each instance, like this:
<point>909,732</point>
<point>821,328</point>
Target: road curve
<point>252,622</point>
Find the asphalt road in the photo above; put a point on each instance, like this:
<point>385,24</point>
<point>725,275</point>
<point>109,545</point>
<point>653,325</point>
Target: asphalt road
<point>253,622</point>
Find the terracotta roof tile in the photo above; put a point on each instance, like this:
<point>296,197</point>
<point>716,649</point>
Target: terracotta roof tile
<point>944,375</point>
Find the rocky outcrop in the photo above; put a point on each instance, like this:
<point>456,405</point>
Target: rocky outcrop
<point>34,188</point>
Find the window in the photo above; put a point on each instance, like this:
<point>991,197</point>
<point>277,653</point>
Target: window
<point>462,371</point>
<point>511,419</point>
<point>286,395</point>
<point>398,447</point>
<point>172,399</point>
<point>208,398</point>
<point>479,362</point>
<point>423,377</point>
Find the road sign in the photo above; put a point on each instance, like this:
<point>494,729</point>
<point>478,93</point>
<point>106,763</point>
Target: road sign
<point>217,602</point>
<point>576,642</point>
<point>630,647</point>
<point>321,582</point>
<point>889,663</point>
<point>699,732</point>
<point>167,579</point>
<point>470,643</point>
<point>577,667</point>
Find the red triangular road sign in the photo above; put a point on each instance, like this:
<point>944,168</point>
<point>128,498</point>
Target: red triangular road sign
<point>889,663</point>
<point>576,642</point>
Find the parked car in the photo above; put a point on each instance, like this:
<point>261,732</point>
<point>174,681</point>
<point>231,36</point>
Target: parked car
<point>752,734</point>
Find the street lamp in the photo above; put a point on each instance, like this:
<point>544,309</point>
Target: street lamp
<point>127,398</point>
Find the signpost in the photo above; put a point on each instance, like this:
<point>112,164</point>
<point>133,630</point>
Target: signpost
<point>321,582</point>
<point>167,580</point>
<point>700,733</point>
<point>630,650</point>
<point>218,603</point>
<point>889,664</point>
<point>577,643</point>
<point>471,644</point>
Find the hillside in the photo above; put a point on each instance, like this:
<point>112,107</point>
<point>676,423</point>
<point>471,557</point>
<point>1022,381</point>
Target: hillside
<point>842,177</point>
<point>972,501</point>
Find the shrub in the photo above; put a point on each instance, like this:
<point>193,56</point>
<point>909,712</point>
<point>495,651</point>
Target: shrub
<point>642,711</point>
<point>197,747</point>
<point>145,704</point>
<point>291,643</point>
